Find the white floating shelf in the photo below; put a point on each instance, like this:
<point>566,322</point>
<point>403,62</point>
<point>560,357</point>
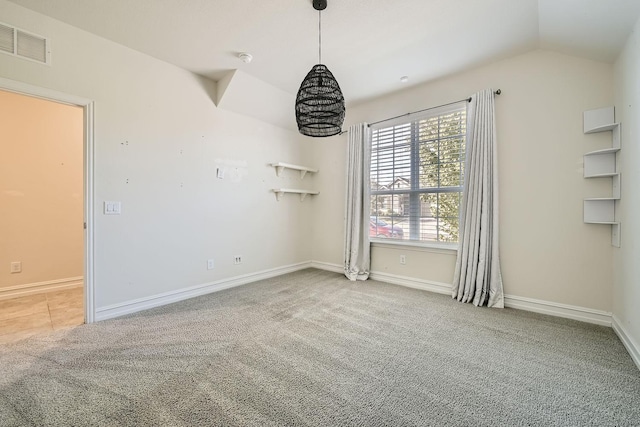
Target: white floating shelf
<point>615,185</point>
<point>598,120</point>
<point>603,151</point>
<point>615,134</point>
<point>303,193</point>
<point>303,169</point>
<point>599,211</point>
<point>603,128</point>
<point>602,175</point>
<point>603,164</point>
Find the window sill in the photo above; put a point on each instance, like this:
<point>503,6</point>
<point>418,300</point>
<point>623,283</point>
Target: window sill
<point>444,248</point>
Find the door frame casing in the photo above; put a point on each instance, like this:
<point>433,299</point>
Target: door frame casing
<point>88,178</point>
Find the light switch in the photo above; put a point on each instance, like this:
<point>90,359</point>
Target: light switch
<point>112,208</point>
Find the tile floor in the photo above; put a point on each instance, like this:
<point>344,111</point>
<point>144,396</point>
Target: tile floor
<point>40,313</point>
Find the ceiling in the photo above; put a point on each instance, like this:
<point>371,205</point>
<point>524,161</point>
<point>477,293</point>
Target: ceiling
<point>367,44</point>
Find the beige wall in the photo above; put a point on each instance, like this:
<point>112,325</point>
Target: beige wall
<point>41,190</point>
<point>547,252</point>
<point>626,295</point>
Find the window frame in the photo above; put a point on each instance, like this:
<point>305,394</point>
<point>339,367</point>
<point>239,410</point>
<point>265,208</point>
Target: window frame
<point>414,191</point>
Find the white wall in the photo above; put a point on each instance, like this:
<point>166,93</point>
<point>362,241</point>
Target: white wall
<point>158,140</point>
<point>548,253</point>
<point>626,290</point>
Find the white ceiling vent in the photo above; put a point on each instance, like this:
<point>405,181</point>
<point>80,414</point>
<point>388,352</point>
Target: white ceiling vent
<point>23,44</point>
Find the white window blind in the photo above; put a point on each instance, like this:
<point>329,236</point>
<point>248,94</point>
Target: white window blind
<point>417,175</point>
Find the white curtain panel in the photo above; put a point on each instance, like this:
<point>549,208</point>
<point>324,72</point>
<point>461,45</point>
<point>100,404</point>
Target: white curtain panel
<point>477,276</point>
<point>357,258</point>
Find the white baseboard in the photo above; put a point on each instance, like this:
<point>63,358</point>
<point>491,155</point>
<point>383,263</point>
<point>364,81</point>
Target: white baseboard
<point>538,306</point>
<point>412,282</point>
<point>630,344</point>
<point>336,268</point>
<point>40,287</point>
<point>582,314</point>
<point>133,306</point>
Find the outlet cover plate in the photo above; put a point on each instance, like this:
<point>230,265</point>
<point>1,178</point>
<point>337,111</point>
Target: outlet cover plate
<point>16,266</point>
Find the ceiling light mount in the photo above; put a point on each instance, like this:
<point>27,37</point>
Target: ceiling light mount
<point>320,104</point>
<point>245,57</point>
<point>319,4</point>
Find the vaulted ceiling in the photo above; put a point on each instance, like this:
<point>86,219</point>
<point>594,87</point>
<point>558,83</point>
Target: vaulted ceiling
<point>367,44</point>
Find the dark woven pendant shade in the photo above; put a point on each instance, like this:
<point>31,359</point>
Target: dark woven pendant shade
<point>319,104</point>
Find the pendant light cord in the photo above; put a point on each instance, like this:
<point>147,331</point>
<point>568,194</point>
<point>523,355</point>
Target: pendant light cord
<point>319,37</point>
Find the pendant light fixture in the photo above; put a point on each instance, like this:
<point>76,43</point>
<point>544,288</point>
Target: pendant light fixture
<point>319,103</point>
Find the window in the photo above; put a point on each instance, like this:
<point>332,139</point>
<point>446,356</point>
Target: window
<point>417,176</point>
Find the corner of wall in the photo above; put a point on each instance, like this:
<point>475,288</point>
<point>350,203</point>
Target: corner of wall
<point>626,272</point>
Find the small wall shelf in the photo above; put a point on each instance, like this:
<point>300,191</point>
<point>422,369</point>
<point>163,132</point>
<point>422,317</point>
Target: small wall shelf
<point>600,163</point>
<point>599,211</point>
<point>603,164</point>
<point>303,169</point>
<point>303,193</point>
<point>280,167</point>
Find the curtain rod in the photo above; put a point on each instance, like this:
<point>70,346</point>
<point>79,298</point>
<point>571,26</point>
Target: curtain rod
<point>497,92</point>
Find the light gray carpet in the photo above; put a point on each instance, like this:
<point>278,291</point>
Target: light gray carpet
<point>311,348</point>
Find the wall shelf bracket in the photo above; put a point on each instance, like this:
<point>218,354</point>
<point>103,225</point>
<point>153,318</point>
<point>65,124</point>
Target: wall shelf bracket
<point>280,167</point>
<point>303,193</point>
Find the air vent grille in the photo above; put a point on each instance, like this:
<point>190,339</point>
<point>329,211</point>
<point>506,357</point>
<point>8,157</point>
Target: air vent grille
<point>7,39</point>
<point>23,44</point>
<point>32,46</point>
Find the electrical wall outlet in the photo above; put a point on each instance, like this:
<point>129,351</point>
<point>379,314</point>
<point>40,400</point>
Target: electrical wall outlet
<point>237,259</point>
<point>210,264</point>
<point>16,267</point>
<point>403,259</point>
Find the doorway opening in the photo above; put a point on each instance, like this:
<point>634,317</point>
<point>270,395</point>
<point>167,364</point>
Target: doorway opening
<point>46,194</point>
